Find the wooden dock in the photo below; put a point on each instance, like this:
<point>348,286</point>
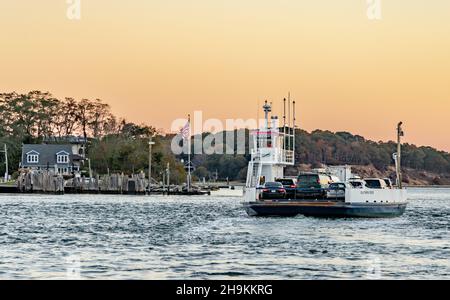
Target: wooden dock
<point>8,189</point>
<point>115,184</point>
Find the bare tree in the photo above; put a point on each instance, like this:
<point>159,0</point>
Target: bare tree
<point>84,115</point>
<point>100,115</point>
<point>66,120</point>
<point>46,108</point>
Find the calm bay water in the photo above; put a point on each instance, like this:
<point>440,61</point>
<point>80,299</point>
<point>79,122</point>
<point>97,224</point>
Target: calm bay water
<point>127,237</point>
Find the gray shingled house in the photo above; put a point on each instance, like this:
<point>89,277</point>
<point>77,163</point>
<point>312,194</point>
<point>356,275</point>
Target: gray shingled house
<point>63,158</point>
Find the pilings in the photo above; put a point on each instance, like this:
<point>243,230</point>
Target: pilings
<point>40,182</point>
<point>47,182</point>
<point>108,184</point>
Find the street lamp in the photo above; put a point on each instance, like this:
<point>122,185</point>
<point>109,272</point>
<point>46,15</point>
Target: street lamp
<point>150,144</point>
<point>6,163</point>
<point>90,170</point>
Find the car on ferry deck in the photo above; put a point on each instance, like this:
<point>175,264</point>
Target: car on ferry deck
<point>312,185</point>
<point>290,185</point>
<point>337,190</point>
<point>334,179</point>
<point>357,183</point>
<point>273,190</point>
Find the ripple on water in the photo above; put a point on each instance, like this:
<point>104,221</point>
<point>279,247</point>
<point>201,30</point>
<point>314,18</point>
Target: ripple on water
<point>211,237</point>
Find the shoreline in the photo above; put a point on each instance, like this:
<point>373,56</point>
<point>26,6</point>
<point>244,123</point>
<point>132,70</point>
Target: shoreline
<point>8,189</point>
<point>429,186</point>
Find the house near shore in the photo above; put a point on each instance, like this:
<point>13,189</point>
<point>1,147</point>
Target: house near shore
<point>64,159</point>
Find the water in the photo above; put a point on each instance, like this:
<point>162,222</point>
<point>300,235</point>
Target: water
<point>121,237</point>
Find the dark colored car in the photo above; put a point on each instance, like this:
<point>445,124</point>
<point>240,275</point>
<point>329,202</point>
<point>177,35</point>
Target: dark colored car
<point>273,190</point>
<point>289,185</point>
<point>312,185</point>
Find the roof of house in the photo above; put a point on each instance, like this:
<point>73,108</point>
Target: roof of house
<point>66,139</point>
<point>47,152</point>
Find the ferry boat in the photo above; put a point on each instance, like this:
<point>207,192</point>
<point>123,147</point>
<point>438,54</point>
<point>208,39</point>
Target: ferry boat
<point>273,149</point>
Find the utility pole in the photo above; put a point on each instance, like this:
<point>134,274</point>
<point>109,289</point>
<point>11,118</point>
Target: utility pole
<point>168,178</point>
<point>150,144</point>
<point>163,180</point>
<point>6,163</point>
<point>400,134</point>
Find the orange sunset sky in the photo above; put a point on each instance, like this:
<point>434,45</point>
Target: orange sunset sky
<point>155,61</point>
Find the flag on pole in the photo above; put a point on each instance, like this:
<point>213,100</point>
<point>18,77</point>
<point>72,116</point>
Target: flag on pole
<point>186,135</point>
<point>186,131</point>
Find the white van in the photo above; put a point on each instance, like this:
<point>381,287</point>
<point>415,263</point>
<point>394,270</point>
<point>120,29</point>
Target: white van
<point>357,183</point>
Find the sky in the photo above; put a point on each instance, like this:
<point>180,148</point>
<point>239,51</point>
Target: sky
<point>155,61</point>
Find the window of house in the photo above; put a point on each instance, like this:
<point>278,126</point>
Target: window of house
<point>62,158</point>
<point>32,158</point>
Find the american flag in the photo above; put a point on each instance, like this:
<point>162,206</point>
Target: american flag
<point>186,131</point>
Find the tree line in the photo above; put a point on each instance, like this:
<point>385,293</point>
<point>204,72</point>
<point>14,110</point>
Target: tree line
<point>113,144</point>
<point>325,147</point>
<point>39,115</point>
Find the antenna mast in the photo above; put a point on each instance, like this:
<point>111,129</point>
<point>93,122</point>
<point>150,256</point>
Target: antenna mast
<point>400,134</point>
<point>258,124</point>
<point>284,128</point>
<point>289,121</point>
<point>267,110</point>
<point>293,133</point>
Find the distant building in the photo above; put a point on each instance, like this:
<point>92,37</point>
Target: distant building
<point>69,139</point>
<point>64,159</point>
<point>343,173</point>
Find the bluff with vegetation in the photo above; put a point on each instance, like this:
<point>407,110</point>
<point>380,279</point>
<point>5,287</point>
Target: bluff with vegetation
<point>421,165</point>
<point>116,146</point>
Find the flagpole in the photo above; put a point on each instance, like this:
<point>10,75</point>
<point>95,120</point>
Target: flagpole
<point>189,156</point>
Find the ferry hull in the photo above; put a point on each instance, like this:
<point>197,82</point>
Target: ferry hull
<point>326,209</point>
